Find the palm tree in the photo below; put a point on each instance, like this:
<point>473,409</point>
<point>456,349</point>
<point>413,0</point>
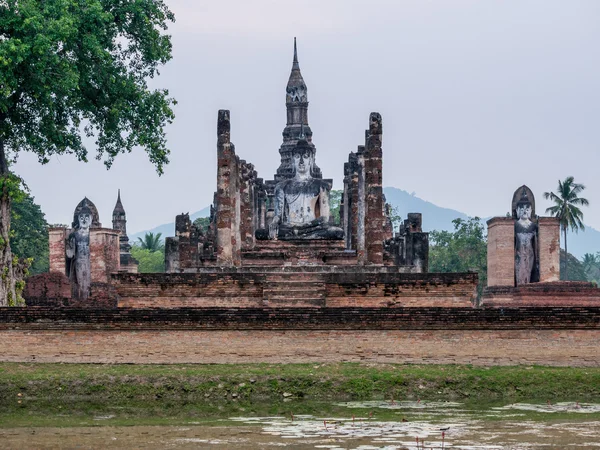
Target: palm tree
<point>566,208</point>
<point>151,242</point>
<point>591,265</point>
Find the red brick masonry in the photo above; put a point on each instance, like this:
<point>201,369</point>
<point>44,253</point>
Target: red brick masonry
<point>546,336</point>
<point>316,287</point>
<point>560,293</point>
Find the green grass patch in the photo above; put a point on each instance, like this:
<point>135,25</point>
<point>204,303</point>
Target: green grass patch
<point>309,381</point>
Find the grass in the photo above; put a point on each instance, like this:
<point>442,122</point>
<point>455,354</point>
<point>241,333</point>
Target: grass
<point>99,395</point>
<point>310,381</point>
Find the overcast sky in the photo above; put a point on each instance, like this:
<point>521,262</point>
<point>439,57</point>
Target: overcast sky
<point>477,98</point>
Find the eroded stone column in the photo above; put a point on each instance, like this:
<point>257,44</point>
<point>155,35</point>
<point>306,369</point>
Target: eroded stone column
<point>225,202</point>
<point>549,245</point>
<point>374,218</point>
<point>501,251</point>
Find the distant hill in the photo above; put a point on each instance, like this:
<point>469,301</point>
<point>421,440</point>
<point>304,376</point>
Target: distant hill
<point>434,218</point>
<point>168,229</point>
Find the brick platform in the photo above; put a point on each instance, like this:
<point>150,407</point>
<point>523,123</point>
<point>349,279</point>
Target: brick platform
<point>560,293</point>
<point>546,336</point>
<point>323,286</point>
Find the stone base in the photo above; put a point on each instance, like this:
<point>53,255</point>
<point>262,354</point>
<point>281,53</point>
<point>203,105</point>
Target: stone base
<point>560,293</point>
<point>299,252</point>
<point>296,286</point>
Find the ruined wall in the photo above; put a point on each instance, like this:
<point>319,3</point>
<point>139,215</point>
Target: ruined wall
<point>549,243</point>
<point>545,336</point>
<point>337,288</point>
<point>104,253</point>
<point>563,293</point>
<point>501,251</point>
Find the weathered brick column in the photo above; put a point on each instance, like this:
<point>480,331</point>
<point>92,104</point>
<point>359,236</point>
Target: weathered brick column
<point>224,201</point>
<point>360,204</point>
<point>248,175</point>
<point>549,243</point>
<point>374,219</point>
<point>57,237</point>
<point>501,251</point>
<point>104,253</point>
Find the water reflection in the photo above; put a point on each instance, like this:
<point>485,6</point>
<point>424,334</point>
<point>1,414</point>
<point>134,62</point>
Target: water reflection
<point>414,425</point>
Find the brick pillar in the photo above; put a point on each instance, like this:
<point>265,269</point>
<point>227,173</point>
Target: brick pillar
<point>224,200</point>
<point>549,245</point>
<point>360,205</point>
<point>501,251</point>
<point>374,218</point>
<point>104,253</point>
<point>344,216</point>
<point>234,192</point>
<point>247,205</point>
<point>56,237</point>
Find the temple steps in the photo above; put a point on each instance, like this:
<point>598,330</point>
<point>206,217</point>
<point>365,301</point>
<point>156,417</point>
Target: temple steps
<point>299,289</point>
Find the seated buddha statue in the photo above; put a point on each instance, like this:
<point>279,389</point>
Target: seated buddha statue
<point>301,209</point>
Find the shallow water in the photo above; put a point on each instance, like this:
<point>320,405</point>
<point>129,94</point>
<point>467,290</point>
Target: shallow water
<point>347,425</point>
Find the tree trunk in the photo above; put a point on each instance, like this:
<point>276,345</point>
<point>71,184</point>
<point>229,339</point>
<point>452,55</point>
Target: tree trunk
<point>8,294</point>
<point>566,257</point>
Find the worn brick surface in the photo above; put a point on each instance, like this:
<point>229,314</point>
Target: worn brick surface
<point>302,286</point>
<point>501,251</point>
<point>546,336</point>
<point>562,293</point>
<point>549,242</point>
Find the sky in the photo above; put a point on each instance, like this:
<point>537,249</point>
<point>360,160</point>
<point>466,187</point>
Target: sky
<point>477,98</point>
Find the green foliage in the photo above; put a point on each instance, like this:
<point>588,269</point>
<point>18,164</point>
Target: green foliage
<point>575,268</point>
<point>464,249</point>
<point>151,242</point>
<point>73,66</point>
<point>566,204</point>
<point>591,266</point>
<point>29,233</point>
<point>202,223</point>
<point>335,200</point>
<point>566,207</point>
<point>395,217</point>
<point>150,261</point>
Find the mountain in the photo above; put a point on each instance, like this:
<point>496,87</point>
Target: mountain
<point>434,218</point>
<point>168,229</point>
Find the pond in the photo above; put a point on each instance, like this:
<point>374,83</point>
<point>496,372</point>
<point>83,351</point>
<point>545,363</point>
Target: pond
<point>294,424</point>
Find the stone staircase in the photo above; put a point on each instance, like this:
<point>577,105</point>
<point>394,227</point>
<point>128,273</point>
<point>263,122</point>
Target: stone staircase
<point>294,289</point>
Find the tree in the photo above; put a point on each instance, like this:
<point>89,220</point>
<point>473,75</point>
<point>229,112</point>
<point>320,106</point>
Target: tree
<point>149,261</point>
<point>151,242</point>
<point>70,68</point>
<point>29,233</point>
<point>575,270</point>
<point>591,266</point>
<point>202,223</point>
<point>566,208</point>
<point>464,249</point>
<point>335,200</point>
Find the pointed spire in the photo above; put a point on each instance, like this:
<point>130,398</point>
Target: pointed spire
<point>119,206</point>
<point>296,88</point>
<point>295,64</point>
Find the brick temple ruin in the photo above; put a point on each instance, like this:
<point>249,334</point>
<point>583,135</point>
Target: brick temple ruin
<point>276,278</point>
<point>274,243</point>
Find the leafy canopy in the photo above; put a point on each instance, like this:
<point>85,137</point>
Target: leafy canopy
<point>461,250</point>
<point>151,242</point>
<point>68,66</point>
<point>29,233</point>
<point>566,204</point>
<point>149,261</point>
